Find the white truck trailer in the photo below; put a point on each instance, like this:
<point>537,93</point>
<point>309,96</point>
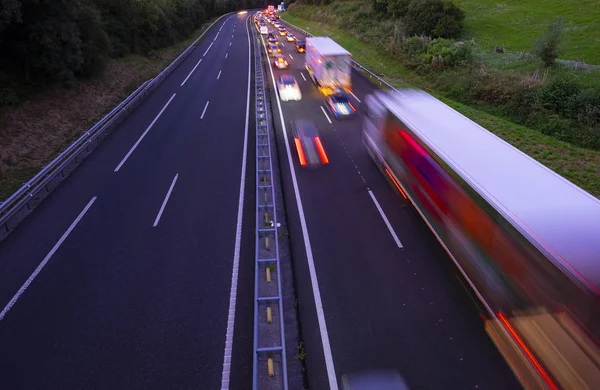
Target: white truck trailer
<point>328,64</point>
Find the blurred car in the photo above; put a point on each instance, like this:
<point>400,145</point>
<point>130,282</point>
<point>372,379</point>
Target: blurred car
<point>276,24</point>
<point>308,144</point>
<point>300,46</point>
<point>271,34</point>
<point>273,41</point>
<point>264,30</point>
<point>290,37</point>
<point>273,50</point>
<point>288,88</point>
<point>374,380</point>
<point>282,31</point>
<point>339,105</point>
<point>280,62</point>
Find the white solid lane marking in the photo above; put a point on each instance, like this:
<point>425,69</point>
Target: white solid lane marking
<point>193,69</point>
<point>216,36</point>
<point>226,54</point>
<point>237,246</point>
<point>143,135</point>
<point>355,97</point>
<point>291,56</point>
<point>39,268</point>
<point>208,49</point>
<point>162,208</point>
<point>204,111</point>
<point>219,75</point>
<point>333,385</point>
<point>387,222</point>
<point>302,74</point>
<point>324,113</point>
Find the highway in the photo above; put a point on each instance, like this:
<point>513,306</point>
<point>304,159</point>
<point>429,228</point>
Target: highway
<point>122,278</point>
<point>375,289</point>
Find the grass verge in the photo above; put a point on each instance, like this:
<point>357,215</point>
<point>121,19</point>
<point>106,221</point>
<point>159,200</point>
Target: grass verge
<point>516,24</point>
<point>581,166</point>
<point>32,134</point>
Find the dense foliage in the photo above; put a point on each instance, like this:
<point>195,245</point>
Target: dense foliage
<point>48,41</point>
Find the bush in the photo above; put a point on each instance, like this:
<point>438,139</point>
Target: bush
<point>585,107</point>
<point>445,52</point>
<point>557,95</point>
<point>436,18</point>
<point>415,46</point>
<point>397,8</point>
<point>547,48</point>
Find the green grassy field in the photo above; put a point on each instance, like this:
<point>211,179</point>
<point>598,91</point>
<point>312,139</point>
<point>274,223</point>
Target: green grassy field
<point>581,166</point>
<point>516,24</point>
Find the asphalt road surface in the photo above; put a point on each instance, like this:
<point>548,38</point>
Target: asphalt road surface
<point>375,288</point>
<point>122,278</point>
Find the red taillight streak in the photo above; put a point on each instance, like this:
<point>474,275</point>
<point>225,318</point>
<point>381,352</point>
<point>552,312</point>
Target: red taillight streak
<point>395,183</point>
<point>525,349</point>
<point>352,107</point>
<point>506,353</point>
<point>300,151</point>
<point>321,151</point>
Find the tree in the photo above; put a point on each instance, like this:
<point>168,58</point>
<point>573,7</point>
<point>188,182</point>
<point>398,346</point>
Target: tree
<point>547,48</point>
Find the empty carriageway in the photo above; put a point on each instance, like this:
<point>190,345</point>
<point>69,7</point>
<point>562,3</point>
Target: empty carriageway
<point>122,278</point>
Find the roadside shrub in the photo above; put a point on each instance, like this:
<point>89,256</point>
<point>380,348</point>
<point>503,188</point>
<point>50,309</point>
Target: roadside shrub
<point>397,8</point>
<point>557,95</point>
<point>447,53</point>
<point>585,108</point>
<point>547,48</point>
<point>557,127</point>
<point>436,18</point>
<point>415,46</point>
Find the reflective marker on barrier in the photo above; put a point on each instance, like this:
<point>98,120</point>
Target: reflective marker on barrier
<point>270,367</point>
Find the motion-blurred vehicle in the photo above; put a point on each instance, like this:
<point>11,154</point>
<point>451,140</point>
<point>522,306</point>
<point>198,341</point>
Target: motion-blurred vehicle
<point>328,64</point>
<point>272,34</point>
<point>288,88</point>
<point>339,105</point>
<point>276,24</point>
<point>374,380</point>
<point>525,239</point>
<point>280,62</point>
<point>290,37</point>
<point>308,144</point>
<point>264,30</point>
<point>273,41</point>
<point>300,46</point>
<point>282,31</point>
<point>273,50</point>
